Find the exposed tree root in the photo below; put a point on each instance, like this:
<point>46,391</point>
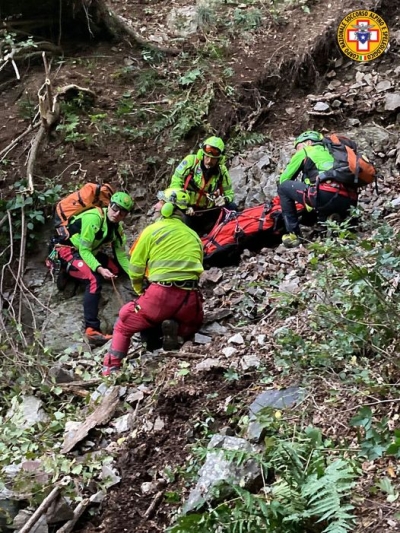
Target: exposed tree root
<point>49,109</point>
<point>119,26</point>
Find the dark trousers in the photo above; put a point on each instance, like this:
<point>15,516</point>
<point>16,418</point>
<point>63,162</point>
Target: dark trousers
<point>93,282</point>
<point>325,202</point>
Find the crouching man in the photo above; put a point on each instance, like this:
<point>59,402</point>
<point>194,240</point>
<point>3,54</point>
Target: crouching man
<point>168,257</point>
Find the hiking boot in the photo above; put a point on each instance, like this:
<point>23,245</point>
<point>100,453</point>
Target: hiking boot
<point>111,365</point>
<point>335,217</point>
<point>62,279</point>
<point>170,335</point>
<point>290,240</point>
<point>96,338</point>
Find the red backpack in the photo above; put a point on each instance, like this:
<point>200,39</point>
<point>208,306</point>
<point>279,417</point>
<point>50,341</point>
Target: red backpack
<point>349,167</point>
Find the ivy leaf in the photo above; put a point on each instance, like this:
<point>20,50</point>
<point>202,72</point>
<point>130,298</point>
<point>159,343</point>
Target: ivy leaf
<point>190,77</point>
<point>77,469</point>
<point>363,418</point>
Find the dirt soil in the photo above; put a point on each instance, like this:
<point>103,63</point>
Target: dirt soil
<point>149,456</point>
<point>275,67</point>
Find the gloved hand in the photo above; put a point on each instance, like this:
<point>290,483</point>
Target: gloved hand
<point>219,201</point>
<point>190,211</point>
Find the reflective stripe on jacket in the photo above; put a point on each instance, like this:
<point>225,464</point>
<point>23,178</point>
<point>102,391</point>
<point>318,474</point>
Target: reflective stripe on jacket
<point>167,250</point>
<point>198,186</point>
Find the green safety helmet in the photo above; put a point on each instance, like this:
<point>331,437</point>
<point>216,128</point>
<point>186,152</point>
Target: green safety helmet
<point>213,147</point>
<point>173,198</point>
<point>122,200</point>
<point>308,135</point>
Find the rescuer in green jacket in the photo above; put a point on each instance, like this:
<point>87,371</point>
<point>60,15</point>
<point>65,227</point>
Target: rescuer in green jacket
<point>90,233</point>
<point>167,259</point>
<point>205,177</point>
<point>327,198</point>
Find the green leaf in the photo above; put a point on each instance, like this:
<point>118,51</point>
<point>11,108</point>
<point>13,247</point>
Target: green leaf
<point>386,485</point>
<point>363,418</point>
<point>77,469</point>
<point>190,77</point>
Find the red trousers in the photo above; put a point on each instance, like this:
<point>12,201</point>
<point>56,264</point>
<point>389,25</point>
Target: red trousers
<point>157,304</point>
<point>93,282</point>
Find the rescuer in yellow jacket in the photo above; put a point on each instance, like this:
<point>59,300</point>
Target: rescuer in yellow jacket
<point>168,259</point>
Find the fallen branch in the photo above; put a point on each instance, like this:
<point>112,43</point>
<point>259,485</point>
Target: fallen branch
<point>156,102</point>
<point>182,355</point>
<point>12,145</point>
<point>73,87</point>
<point>81,384</point>
<point>100,416</point>
<point>78,387</point>
<point>390,400</point>
<point>40,510</point>
<point>68,526</point>
<point>324,113</point>
<point>153,505</point>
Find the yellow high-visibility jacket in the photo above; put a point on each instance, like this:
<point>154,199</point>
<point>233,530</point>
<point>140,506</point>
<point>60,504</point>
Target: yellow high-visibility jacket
<point>167,250</point>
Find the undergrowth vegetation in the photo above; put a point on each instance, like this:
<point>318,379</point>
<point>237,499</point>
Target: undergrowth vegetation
<point>339,330</point>
<point>339,335</point>
<point>352,306</point>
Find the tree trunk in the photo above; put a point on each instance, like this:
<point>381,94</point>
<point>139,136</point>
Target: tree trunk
<point>55,20</point>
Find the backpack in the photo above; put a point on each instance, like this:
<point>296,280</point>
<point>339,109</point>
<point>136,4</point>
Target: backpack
<point>349,167</point>
<point>253,228</point>
<point>87,197</point>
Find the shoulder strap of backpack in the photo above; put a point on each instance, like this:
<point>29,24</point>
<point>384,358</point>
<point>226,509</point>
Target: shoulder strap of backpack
<point>108,187</point>
<point>189,178</point>
<point>97,192</point>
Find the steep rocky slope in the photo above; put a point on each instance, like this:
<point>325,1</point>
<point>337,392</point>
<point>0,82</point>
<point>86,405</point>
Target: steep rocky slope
<point>280,72</point>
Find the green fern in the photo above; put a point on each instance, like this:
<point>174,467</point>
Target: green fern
<point>305,492</point>
<point>326,493</point>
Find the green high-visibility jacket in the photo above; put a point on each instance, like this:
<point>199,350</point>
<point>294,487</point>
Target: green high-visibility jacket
<point>90,231</point>
<point>220,181</point>
<point>310,160</point>
<point>167,250</point>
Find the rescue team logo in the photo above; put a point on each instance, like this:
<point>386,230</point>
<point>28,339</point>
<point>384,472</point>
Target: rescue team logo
<point>363,35</point>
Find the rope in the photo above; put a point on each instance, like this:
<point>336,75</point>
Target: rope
<point>121,301</point>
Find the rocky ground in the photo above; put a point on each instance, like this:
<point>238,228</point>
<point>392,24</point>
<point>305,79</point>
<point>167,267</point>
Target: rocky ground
<point>288,75</point>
